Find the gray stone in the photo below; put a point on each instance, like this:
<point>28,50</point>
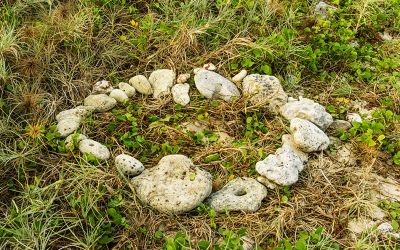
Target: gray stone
<point>73,140</point>
<point>307,136</point>
<point>162,80</point>
<point>128,165</point>
<point>287,141</point>
<point>324,9</point>
<point>68,125</point>
<point>100,102</point>
<point>180,94</point>
<point>241,194</point>
<point>141,84</point>
<point>282,168</point>
<point>78,112</point>
<point>175,185</point>
<point>98,150</point>
<point>127,88</point>
<point>119,95</point>
<point>309,110</point>
<point>264,89</point>
<point>338,126</point>
<point>214,86</point>
<point>102,87</point>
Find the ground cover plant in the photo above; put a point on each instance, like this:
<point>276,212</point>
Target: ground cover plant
<point>52,52</point>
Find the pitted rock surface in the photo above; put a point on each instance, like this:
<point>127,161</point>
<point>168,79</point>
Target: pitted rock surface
<point>78,112</point>
<point>287,141</point>
<point>308,110</point>
<point>68,125</point>
<point>214,86</point>
<point>307,136</point>
<point>98,150</point>
<point>162,80</point>
<point>175,185</point>
<point>100,102</point>
<point>128,165</point>
<point>241,194</point>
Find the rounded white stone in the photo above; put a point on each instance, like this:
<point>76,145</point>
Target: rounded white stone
<point>141,84</point>
<point>90,146</point>
<point>307,136</point>
<point>162,80</point>
<point>239,76</point>
<point>80,111</point>
<point>354,117</point>
<point>119,95</point>
<point>128,165</point>
<point>128,89</point>
<point>68,125</point>
<point>180,94</point>
<point>175,185</point>
<point>100,102</point>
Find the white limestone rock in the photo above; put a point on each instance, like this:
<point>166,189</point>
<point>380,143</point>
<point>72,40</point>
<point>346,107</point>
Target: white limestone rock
<point>354,117</point>
<point>307,136</point>
<point>239,76</point>
<point>100,102</point>
<point>98,150</point>
<point>73,140</point>
<point>180,94</point>
<point>127,88</point>
<point>68,125</point>
<point>287,141</point>
<point>214,86</point>
<point>175,185</point>
<point>282,167</point>
<point>78,112</point>
<point>119,95</point>
<point>386,229</point>
<point>210,67</point>
<point>128,165</point>
<point>241,194</point>
<point>102,87</point>
<point>141,84</point>
<point>309,110</point>
<point>162,80</point>
<point>324,9</point>
<point>264,89</point>
<point>182,78</point>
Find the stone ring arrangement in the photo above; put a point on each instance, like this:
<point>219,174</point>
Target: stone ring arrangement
<point>175,184</point>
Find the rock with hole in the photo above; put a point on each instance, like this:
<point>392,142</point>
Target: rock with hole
<point>100,102</point>
<point>128,165</point>
<point>98,150</point>
<point>175,185</point>
<point>307,136</point>
<point>241,194</point>
<point>162,80</point>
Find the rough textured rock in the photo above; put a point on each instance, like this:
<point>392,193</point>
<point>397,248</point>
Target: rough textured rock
<point>386,229</point>
<point>162,80</point>
<point>353,117</point>
<point>175,185</point>
<point>102,87</point>
<point>307,136</point>
<point>345,155</point>
<point>338,126</point>
<point>248,243</point>
<point>100,102</point>
<point>128,165</point>
<point>210,67</point>
<point>80,111</point>
<point>99,151</point>
<point>68,125</point>
<point>214,86</point>
<point>180,94</point>
<point>73,140</point>
<point>141,84</point>
<point>127,88</point>
<point>360,225</point>
<point>264,89</point>
<point>281,168</point>
<point>323,9</point>
<point>119,95</point>
<point>241,194</point>
<point>287,141</point>
<point>239,76</point>
<point>182,78</point>
<point>309,110</point>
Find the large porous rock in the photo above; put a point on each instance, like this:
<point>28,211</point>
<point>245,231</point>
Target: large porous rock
<point>68,125</point>
<point>162,80</point>
<point>214,86</point>
<point>141,84</point>
<point>128,165</point>
<point>309,110</point>
<point>80,111</point>
<point>264,89</point>
<point>307,136</point>
<point>102,87</point>
<point>119,95</point>
<point>282,168</point>
<point>324,9</point>
<point>98,150</point>
<point>241,194</point>
<point>175,185</point>
<point>287,141</point>
<point>100,102</point>
<point>180,94</point>
<point>127,88</point>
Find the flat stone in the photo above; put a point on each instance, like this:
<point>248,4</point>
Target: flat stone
<point>308,110</point>
<point>99,151</point>
<point>241,194</point>
<point>180,94</point>
<point>214,86</point>
<point>68,125</point>
<point>73,140</point>
<point>175,185</point>
<point>282,167</point>
<point>239,76</point>
<point>307,136</point>
<point>128,165</point>
<point>102,87</point>
<point>162,80</point>
<point>141,84</point>
<point>127,88</point>
<point>264,89</point>
<point>80,111</point>
<point>119,95</point>
<point>100,102</point>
